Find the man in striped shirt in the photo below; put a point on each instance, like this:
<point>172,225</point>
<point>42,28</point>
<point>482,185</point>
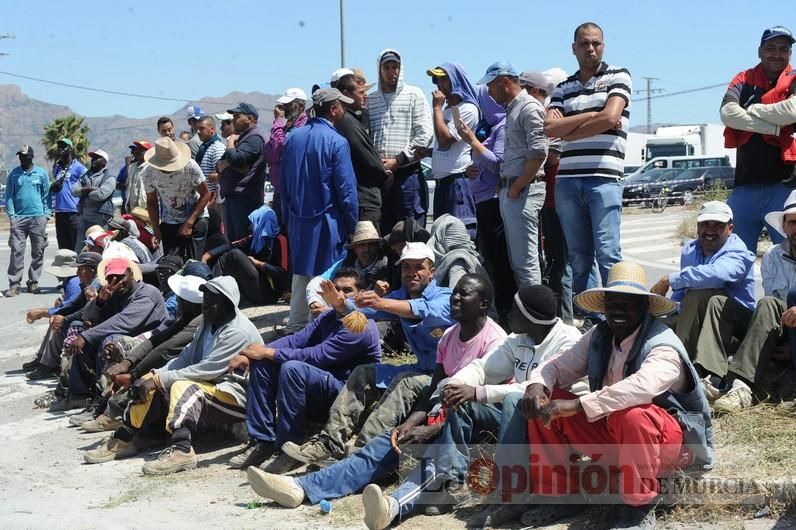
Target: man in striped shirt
<point>210,151</point>
<point>590,111</point>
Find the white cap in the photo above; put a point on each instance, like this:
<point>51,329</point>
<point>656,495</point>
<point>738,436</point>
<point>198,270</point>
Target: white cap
<point>187,287</point>
<point>340,72</point>
<point>291,94</point>
<point>715,211</point>
<point>224,116</point>
<point>100,153</point>
<point>416,250</point>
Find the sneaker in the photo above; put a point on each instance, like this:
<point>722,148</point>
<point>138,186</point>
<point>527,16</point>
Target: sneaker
<point>636,518</point>
<point>711,392</point>
<point>312,451</point>
<point>76,420</point>
<point>256,453</point>
<point>12,291</point>
<point>739,397</point>
<point>281,464</point>
<point>42,372</point>
<point>33,288</point>
<point>101,423</point>
<point>113,450</point>
<point>378,514</point>
<point>62,403</point>
<point>30,365</point>
<point>285,491</point>
<point>170,460</point>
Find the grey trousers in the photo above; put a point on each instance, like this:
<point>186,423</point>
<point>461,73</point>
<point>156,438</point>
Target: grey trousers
<point>760,332</point>
<point>360,393</point>
<point>299,315</point>
<point>23,228</point>
<point>692,316</point>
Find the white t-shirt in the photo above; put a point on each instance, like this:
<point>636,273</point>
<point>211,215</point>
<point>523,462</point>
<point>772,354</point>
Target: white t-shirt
<point>175,191</point>
<point>456,157</point>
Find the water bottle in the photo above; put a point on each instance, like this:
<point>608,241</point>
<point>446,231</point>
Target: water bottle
<point>326,506</point>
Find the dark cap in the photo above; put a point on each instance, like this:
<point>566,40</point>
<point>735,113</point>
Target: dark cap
<point>537,303</point>
<point>245,108</point>
<point>390,56</point>
<point>25,150</point>
<point>91,259</point>
<point>196,268</point>
<point>777,31</point>
<point>328,95</point>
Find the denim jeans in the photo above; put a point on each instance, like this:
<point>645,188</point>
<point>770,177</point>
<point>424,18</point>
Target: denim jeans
<point>521,223</point>
<point>590,210</point>
<point>750,204</point>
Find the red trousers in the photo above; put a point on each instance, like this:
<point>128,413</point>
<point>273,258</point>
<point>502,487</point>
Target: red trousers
<point>629,450</point>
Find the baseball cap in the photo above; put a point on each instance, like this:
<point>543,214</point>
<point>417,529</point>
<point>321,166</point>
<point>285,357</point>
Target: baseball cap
<point>25,150</point>
<point>66,141</point>
<point>143,144</point>
<point>416,250</point>
<point>292,94</point>
<point>340,72</point>
<point>117,266</point>
<point>100,153</point>
<point>498,69</point>
<point>715,211</point>
<point>224,116</point>
<point>194,111</point>
<point>245,108</point>
<point>390,56</point>
<point>327,95</point>
<point>535,80</point>
<point>91,259</point>
<point>437,71</point>
<point>777,31</point>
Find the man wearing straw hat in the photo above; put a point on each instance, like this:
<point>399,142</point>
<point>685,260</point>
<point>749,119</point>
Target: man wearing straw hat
<point>645,414</point>
<point>176,197</point>
<point>771,324</point>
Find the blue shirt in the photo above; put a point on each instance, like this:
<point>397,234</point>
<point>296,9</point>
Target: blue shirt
<point>730,269</point>
<point>72,292</point>
<point>28,193</point>
<point>64,200</point>
<point>433,312</point>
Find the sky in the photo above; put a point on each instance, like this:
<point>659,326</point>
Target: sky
<point>187,50</point>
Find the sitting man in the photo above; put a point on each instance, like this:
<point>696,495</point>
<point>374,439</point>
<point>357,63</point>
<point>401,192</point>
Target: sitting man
<point>771,324</point>
<point>715,263</point>
<point>471,338</point>
<point>646,413</point>
<point>423,309</point>
<point>300,375</point>
<point>192,389</point>
<point>364,255</point>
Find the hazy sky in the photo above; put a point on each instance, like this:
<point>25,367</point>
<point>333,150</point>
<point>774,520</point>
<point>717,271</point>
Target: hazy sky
<point>187,50</point>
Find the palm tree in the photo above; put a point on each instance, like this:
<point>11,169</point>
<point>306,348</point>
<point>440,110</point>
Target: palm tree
<point>71,127</point>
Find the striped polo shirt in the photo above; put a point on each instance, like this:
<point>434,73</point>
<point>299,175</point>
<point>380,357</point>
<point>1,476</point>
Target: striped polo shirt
<point>601,155</point>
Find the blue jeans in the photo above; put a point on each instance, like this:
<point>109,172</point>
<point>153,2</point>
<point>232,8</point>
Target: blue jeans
<point>590,210</point>
<point>521,223</point>
<point>750,204</point>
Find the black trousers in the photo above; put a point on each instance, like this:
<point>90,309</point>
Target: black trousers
<point>555,259</point>
<point>66,227</point>
<point>188,247</point>
<point>492,244</point>
<point>255,286</point>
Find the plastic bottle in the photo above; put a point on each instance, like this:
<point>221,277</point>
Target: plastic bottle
<point>326,506</point>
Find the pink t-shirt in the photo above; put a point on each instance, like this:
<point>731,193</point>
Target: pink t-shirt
<point>453,354</point>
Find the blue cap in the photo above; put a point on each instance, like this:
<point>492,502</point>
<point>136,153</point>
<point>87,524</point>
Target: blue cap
<point>194,111</point>
<point>500,68</point>
<point>777,31</point>
<point>245,108</point>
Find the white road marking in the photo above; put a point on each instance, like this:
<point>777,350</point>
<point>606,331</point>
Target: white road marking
<point>651,248</point>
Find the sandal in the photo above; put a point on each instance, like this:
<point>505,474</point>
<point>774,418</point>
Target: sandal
<point>545,514</point>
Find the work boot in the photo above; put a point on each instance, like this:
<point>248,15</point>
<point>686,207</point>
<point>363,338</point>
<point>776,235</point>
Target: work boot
<point>30,365</point>
<point>12,291</point>
<point>62,403</point>
<point>636,518</point>
<point>739,397</point>
<point>170,460</point>
<point>92,409</point>
<point>256,453</point>
<point>101,423</point>
<point>113,450</point>
<point>282,463</point>
<point>33,288</point>
<point>309,452</point>
<point>285,491</point>
<point>42,372</point>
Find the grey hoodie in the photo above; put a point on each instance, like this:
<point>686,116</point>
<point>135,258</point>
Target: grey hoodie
<point>207,358</point>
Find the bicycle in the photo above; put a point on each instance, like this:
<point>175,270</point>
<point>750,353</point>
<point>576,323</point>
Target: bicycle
<point>660,201</point>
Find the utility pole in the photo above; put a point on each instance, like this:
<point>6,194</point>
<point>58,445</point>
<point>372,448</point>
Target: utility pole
<point>649,90</point>
<point>342,37</point>
<point>3,170</point>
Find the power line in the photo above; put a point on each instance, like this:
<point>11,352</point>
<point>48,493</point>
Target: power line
<point>680,92</point>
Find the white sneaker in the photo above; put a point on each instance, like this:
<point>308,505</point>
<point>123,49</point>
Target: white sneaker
<point>711,392</point>
<point>739,397</point>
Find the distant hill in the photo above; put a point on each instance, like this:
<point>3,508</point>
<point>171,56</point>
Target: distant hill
<point>22,121</point>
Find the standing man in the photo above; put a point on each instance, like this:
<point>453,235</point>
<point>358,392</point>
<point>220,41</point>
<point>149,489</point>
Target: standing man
<point>176,182</point>
<point>209,152</point>
<point>588,192</point>
<point>368,167</point>
<point>28,204</point>
<point>521,184</point>
<point>319,203</point>
<point>66,172</point>
<point>95,189</point>
<point>225,124</point>
<point>288,114</point>
<point>242,171</point>
<point>399,122</point>
<point>194,114</point>
<point>753,127</point>
<point>136,194</point>
<point>165,127</point>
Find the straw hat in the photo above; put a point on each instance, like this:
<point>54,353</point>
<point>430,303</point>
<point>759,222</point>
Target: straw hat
<point>168,155</point>
<point>142,214</point>
<point>775,218</point>
<point>627,278</point>
<point>133,266</point>
<point>364,232</point>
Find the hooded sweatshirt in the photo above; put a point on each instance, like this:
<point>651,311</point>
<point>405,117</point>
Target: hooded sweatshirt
<point>401,120</point>
<point>491,132</point>
<point>454,251</point>
<point>207,357</point>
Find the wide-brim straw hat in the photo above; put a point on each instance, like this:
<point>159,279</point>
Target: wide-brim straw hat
<point>626,278</point>
<point>365,232</point>
<point>168,155</point>
<point>142,214</point>
<point>137,274</point>
<point>775,218</point>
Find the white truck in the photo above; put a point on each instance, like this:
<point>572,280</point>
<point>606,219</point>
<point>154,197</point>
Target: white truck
<point>705,139</point>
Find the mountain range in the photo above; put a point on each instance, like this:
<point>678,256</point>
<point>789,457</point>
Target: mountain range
<point>22,121</point>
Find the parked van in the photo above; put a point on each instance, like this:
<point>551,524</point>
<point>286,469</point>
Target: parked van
<point>684,162</point>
